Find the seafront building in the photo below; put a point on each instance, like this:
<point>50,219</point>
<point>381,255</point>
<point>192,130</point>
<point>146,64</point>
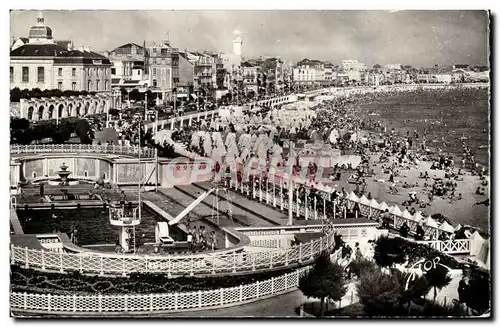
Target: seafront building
<point>39,62</point>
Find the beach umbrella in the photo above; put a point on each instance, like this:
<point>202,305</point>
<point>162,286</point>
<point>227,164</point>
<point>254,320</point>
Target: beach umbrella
<point>374,204</point>
<point>446,227</point>
<point>383,206</point>
<point>395,211</point>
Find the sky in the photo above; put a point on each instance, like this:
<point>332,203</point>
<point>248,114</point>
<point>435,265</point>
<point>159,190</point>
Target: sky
<point>417,38</point>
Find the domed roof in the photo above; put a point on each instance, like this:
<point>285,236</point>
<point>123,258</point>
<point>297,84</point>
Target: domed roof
<point>40,32</point>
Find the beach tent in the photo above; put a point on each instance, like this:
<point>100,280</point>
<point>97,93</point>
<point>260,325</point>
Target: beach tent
<point>417,216</point>
<point>363,200</point>
<point>383,206</point>
<point>431,223</point>
<point>406,215</point>
<point>374,204</point>
<point>352,197</point>
<point>446,227</point>
<point>395,211</point>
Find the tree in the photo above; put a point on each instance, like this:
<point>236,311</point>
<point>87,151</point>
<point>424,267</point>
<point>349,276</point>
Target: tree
<point>377,66</point>
<point>379,293</point>
<point>324,280</point>
<point>438,278</point>
<point>82,130</point>
<point>389,251</point>
<point>362,266</point>
<point>478,292</point>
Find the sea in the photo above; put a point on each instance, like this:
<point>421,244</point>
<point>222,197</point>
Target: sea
<point>448,117</point>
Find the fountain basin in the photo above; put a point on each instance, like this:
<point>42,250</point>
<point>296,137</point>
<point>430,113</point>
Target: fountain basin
<point>68,181</point>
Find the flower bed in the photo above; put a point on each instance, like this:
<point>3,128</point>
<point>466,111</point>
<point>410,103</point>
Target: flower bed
<point>27,280</point>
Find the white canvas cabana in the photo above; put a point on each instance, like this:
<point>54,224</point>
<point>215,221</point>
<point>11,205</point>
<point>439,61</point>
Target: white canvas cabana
<point>383,206</point>
<point>445,227</point>
<point>374,204</point>
<point>352,197</point>
<point>406,215</point>
<point>418,216</point>
<point>363,200</point>
<point>395,211</point>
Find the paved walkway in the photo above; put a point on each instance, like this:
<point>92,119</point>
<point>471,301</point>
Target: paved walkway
<point>253,206</point>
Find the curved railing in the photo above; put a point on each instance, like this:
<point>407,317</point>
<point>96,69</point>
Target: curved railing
<point>195,264</point>
<point>83,148</point>
<point>156,303</point>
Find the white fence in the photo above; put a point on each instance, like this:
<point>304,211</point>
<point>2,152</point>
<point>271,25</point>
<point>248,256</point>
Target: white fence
<point>450,247</point>
<point>155,303</point>
<point>83,148</point>
<point>196,264</point>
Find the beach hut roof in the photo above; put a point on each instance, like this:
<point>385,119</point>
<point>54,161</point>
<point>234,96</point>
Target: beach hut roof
<point>406,214</point>
<point>364,200</point>
<point>417,216</point>
<point>446,227</point>
<point>352,197</point>
<point>373,203</point>
<point>458,227</point>
<point>383,206</point>
<point>395,211</point>
<point>431,223</point>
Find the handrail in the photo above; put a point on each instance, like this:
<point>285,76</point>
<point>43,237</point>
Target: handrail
<point>86,148</point>
<point>24,302</point>
<point>195,264</point>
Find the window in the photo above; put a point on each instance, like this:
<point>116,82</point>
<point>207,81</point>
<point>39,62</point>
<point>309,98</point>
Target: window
<point>41,74</point>
<point>73,86</point>
<point>154,60</point>
<point>12,74</point>
<point>59,86</point>
<point>89,83</point>
<point>34,174</point>
<point>59,72</point>
<point>85,174</point>
<point>98,85</point>
<point>106,85</point>
<point>73,72</point>
<point>154,71</point>
<point>154,50</point>
<point>113,71</point>
<point>155,83</point>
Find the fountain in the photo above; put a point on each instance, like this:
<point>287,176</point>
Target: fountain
<point>63,179</point>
